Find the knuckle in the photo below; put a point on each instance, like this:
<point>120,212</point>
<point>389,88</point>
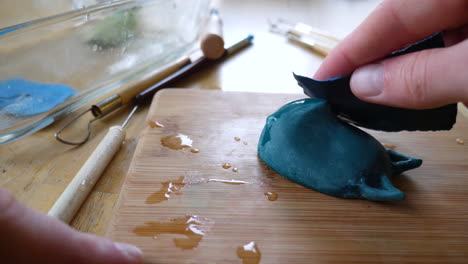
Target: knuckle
<point>415,78</point>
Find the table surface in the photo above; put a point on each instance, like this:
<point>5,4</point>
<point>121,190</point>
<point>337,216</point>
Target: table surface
<point>37,168</point>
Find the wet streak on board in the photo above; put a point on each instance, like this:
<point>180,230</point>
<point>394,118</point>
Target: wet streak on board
<point>193,227</point>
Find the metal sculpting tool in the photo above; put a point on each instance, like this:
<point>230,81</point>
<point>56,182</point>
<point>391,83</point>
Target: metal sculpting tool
<point>123,96</point>
<point>78,189</point>
<point>212,47</point>
<point>115,101</point>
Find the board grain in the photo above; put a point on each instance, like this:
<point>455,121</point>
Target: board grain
<point>302,225</point>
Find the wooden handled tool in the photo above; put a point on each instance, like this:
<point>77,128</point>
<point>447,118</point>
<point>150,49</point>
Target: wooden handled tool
<point>212,43</point>
<point>126,93</point>
<point>164,76</point>
<point>304,29</point>
<point>76,192</point>
<point>136,86</point>
<point>212,47</point>
<point>316,39</point>
<point>318,47</point>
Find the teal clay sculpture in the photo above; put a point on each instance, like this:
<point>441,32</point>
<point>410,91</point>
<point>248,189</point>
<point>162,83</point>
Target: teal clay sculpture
<point>306,142</point>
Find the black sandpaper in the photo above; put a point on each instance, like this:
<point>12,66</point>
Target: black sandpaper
<point>347,106</point>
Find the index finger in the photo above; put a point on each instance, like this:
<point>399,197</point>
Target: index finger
<point>391,26</point>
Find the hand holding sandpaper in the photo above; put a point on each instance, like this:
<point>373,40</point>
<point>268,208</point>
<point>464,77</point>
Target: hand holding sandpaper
<point>315,160</point>
<point>347,106</point>
<point>421,80</point>
<point>412,108</point>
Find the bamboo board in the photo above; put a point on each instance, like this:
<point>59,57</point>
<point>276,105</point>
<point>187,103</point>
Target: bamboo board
<point>206,220</point>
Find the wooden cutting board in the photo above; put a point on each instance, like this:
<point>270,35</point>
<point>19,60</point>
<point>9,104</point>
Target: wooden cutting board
<point>175,206</point>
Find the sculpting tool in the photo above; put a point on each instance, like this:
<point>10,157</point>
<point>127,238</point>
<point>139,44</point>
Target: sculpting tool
<point>212,44</point>
<point>76,192</point>
<point>115,101</point>
<point>79,188</point>
<point>321,49</point>
<point>300,29</point>
<point>319,41</point>
<point>124,95</point>
<point>195,66</point>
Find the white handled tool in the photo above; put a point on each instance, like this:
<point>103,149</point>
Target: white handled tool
<point>76,192</point>
<point>318,40</point>
<point>320,48</point>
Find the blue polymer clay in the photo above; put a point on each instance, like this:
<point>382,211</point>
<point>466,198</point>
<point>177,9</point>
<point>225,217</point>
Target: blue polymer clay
<point>22,97</point>
<point>305,142</point>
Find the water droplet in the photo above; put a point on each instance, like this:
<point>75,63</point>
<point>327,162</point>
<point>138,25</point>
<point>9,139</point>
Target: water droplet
<point>177,142</point>
<point>245,143</point>
<point>235,169</point>
<point>249,253</point>
<point>84,184</point>
<point>155,124</point>
<point>271,196</point>
<point>460,141</point>
<point>168,188</point>
<point>226,165</point>
<point>194,150</point>
<point>95,47</point>
<point>236,139</point>
<point>193,227</point>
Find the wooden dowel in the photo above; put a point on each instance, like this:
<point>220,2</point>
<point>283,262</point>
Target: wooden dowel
<point>212,43</point>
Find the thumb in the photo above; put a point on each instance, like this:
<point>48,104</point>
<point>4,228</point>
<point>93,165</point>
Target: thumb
<point>28,236</point>
<point>420,80</point>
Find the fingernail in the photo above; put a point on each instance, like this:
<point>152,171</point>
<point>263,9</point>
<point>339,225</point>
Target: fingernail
<point>134,254</point>
<point>368,81</point>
